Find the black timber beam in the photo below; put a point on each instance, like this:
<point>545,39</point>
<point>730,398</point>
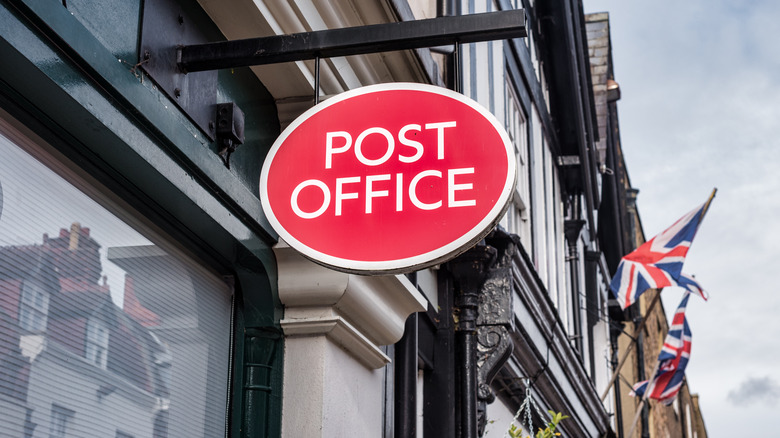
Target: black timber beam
<point>565,54</point>
<point>357,40</point>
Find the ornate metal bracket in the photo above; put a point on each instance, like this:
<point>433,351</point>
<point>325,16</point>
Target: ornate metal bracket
<point>494,345</point>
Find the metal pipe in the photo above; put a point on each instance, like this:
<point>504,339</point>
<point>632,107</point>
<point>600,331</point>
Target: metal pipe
<point>316,80</point>
<point>466,339</point>
<point>457,71</point>
<point>469,270</point>
<point>618,401</point>
<point>572,231</point>
<point>405,375</point>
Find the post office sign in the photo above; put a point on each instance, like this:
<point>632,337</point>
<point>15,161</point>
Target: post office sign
<point>388,178</point>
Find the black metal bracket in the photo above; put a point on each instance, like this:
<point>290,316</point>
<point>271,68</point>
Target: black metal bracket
<point>230,130</point>
<point>357,40</point>
<point>176,55</point>
<point>165,27</point>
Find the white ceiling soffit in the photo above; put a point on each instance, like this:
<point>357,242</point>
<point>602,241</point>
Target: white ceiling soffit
<point>293,83</point>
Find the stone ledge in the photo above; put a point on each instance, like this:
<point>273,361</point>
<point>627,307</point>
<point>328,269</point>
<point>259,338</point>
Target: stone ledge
<point>342,333</point>
<point>359,313</point>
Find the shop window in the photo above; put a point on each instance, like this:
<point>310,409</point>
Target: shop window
<point>100,311</point>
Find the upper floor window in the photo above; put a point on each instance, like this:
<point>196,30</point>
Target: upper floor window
<point>60,421</point>
<point>96,350</point>
<point>34,308</point>
<point>516,219</point>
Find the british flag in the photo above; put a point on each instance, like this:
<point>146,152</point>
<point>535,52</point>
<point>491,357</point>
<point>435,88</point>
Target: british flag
<point>672,360</point>
<point>658,262</point>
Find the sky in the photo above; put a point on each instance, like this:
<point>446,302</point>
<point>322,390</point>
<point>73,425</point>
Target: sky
<point>700,109</point>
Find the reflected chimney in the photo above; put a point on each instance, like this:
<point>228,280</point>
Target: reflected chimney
<point>75,232</point>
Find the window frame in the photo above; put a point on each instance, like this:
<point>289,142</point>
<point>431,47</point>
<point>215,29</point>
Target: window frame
<point>96,343</point>
<point>60,418</point>
<point>30,308</point>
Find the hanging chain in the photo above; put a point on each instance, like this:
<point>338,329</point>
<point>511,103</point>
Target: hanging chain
<point>529,402</point>
<point>525,407</point>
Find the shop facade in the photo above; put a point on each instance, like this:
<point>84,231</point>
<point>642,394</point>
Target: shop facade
<point>143,292</point>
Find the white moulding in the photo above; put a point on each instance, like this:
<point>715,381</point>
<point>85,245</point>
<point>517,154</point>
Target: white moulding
<point>360,313</point>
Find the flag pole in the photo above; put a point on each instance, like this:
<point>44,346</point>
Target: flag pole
<point>644,399</point>
<point>636,417</point>
<point>647,313</point>
<point>707,204</point>
<point>639,329</point>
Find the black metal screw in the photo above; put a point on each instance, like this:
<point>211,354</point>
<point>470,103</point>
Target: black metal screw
<point>177,92</point>
<point>181,20</point>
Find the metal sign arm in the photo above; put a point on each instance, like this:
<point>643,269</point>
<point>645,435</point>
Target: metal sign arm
<point>357,40</point>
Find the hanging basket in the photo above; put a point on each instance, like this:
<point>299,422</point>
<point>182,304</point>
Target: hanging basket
<point>523,419</point>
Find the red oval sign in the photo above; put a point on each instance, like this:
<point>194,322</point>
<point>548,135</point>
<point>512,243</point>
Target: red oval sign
<point>388,178</point>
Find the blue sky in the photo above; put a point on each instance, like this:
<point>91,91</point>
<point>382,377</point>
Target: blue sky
<point>700,108</point>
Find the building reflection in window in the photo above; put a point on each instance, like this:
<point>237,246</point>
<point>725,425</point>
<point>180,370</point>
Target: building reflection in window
<point>102,331</point>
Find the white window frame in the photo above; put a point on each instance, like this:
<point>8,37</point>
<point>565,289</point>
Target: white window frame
<point>33,307</point>
<point>96,342</point>
<point>60,420</point>
<point>516,122</point>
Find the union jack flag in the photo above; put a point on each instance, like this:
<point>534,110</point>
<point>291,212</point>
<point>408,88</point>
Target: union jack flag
<point>672,360</point>
<point>658,262</point>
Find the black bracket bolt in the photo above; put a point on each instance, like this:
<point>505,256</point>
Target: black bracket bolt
<point>230,130</point>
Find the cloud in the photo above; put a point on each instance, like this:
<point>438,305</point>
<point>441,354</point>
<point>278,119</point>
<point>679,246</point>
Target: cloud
<point>755,390</point>
<point>699,109</point>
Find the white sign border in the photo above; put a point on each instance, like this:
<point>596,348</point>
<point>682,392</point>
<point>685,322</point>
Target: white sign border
<point>408,264</point>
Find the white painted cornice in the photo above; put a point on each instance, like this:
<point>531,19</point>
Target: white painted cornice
<point>360,313</point>
<point>294,81</point>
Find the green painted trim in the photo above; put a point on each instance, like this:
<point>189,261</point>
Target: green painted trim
<point>257,403</point>
<point>148,156</point>
<point>178,136</point>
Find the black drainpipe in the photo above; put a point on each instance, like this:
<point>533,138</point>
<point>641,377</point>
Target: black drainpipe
<point>469,270</point>
<point>572,230</point>
<point>614,334</point>
<point>405,375</point>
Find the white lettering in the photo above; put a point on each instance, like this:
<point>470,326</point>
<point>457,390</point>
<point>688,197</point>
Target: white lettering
<point>399,192</point>
<point>359,143</point>
<point>371,193</point>
<point>325,201</point>
<point>340,195</point>
<point>412,143</point>
<point>452,188</point>
<point>440,134</point>
<point>330,150</point>
<point>413,190</point>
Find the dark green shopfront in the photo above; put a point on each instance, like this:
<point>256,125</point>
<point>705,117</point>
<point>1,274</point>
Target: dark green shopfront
<point>138,284</point>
